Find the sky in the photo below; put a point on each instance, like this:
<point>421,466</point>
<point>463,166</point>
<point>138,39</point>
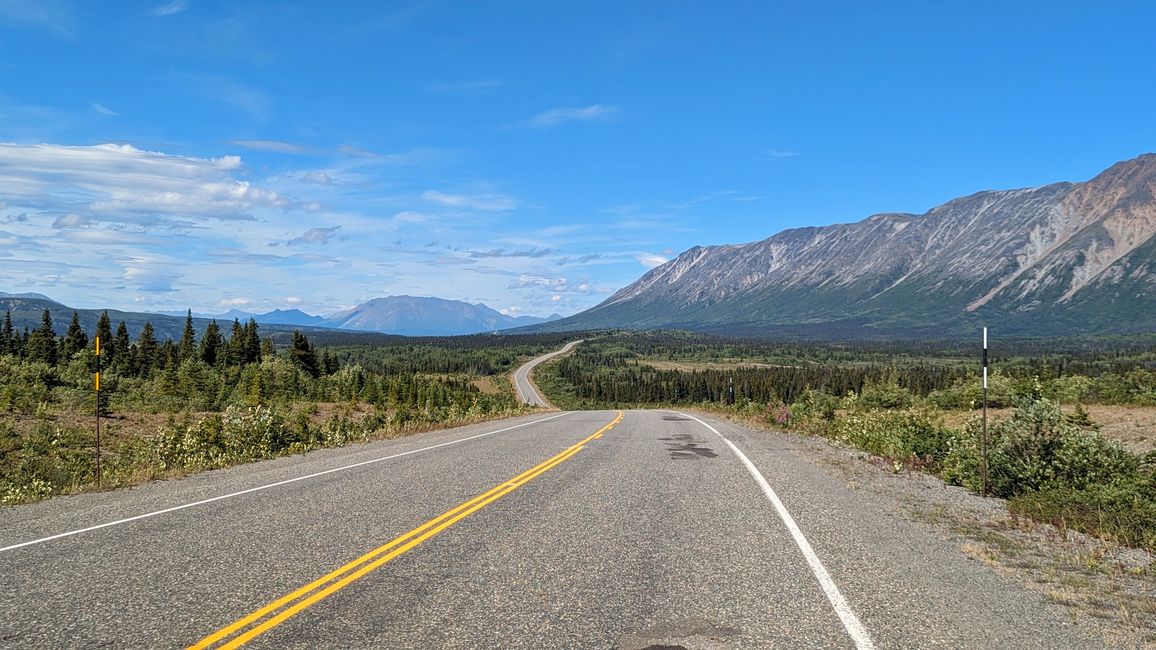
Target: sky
<point>533,156</point>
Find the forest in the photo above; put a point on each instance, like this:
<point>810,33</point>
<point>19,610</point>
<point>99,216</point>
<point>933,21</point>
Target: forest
<point>227,395</point>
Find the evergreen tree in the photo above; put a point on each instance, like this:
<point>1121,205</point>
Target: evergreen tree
<point>104,332</point>
<point>75,340</point>
<point>236,348</point>
<point>42,342</point>
<point>303,356</point>
<point>268,350</point>
<point>120,352</point>
<point>211,344</point>
<point>146,350</point>
<point>329,364</point>
<point>252,348</point>
<point>7,336</point>
<point>188,346</point>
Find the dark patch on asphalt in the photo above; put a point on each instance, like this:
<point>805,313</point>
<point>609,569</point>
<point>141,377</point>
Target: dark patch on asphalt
<point>685,446</point>
<point>675,418</point>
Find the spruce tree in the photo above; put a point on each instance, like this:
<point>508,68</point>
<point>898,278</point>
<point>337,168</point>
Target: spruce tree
<point>188,346</point>
<point>236,349</point>
<point>303,356</point>
<point>146,350</point>
<point>252,347</point>
<point>7,336</point>
<point>211,344</point>
<point>104,332</point>
<point>75,340</point>
<point>268,350</point>
<point>42,342</point>
<point>120,352</point>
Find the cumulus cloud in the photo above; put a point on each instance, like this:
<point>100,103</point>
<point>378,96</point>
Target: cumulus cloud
<point>120,183</point>
<point>480,202</point>
<point>557,116</point>
<point>143,278</point>
<point>651,260</point>
<point>316,236</point>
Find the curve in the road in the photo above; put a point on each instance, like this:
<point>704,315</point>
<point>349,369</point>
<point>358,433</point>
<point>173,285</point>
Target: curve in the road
<point>527,392</point>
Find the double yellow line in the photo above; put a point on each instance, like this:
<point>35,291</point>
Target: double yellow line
<point>270,616</point>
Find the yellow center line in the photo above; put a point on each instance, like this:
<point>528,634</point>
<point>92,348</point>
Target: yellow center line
<point>280,610</point>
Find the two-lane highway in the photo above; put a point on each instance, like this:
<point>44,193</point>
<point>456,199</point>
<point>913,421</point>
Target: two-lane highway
<point>593,529</point>
<point>527,392</point>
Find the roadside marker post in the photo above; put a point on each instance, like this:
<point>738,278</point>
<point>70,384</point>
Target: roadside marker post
<point>983,442</point>
<point>97,412</point>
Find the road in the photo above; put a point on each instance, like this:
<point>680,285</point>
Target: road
<point>637,529</point>
<point>527,391</point>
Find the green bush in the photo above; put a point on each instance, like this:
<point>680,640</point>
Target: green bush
<point>888,395</point>
<point>903,436</point>
<point>1036,449</point>
<point>1124,511</point>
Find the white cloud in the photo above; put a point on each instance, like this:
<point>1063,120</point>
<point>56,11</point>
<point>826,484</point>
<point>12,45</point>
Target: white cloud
<point>779,153</point>
<point>71,220</point>
<point>120,183</point>
<point>316,236</point>
<point>557,116</point>
<point>174,7</point>
<point>650,260</point>
<point>317,178</point>
<point>480,202</point>
<point>555,298</point>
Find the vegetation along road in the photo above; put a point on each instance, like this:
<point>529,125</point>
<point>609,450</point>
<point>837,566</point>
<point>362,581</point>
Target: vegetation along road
<point>527,392</point>
<point>631,529</point>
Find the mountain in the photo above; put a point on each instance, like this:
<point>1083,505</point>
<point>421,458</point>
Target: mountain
<point>290,317</point>
<point>413,316</point>
<point>1066,258</point>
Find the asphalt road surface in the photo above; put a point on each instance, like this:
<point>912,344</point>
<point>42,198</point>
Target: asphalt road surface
<point>527,392</point>
<point>643,529</point>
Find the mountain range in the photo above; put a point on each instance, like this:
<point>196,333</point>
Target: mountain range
<point>400,315</point>
<point>1066,258</point>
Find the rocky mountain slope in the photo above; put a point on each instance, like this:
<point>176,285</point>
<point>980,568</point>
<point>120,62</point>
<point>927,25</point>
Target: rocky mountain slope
<point>1066,258</point>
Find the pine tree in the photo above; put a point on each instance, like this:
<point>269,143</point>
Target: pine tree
<point>188,346</point>
<point>303,356</point>
<point>268,350</point>
<point>7,336</point>
<point>146,350</point>
<point>42,342</point>
<point>211,344</point>
<point>75,340</point>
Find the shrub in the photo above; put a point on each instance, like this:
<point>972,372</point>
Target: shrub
<point>1036,449</point>
<point>885,396</point>
<point>908,437</point>
<point>1124,511</point>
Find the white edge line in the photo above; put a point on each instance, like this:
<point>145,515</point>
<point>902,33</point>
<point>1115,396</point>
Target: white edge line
<point>850,621</point>
<point>271,485</point>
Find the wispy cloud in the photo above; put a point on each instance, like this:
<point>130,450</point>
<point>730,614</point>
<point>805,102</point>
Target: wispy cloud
<point>480,202</point>
<point>651,260</point>
<point>273,146</point>
<point>168,9</point>
<point>235,95</point>
<point>556,116</point>
<point>104,110</point>
<point>51,15</point>
<point>467,86</point>
<point>779,153</point>
<point>532,253</point>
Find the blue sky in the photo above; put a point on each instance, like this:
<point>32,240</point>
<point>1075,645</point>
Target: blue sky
<point>535,156</point>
